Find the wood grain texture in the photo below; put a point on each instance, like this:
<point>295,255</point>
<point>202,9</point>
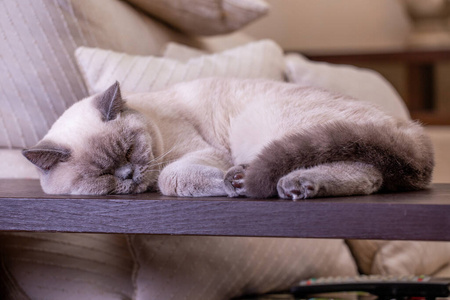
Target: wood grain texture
<point>422,215</point>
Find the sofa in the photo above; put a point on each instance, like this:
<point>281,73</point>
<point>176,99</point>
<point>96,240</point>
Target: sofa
<point>57,52</point>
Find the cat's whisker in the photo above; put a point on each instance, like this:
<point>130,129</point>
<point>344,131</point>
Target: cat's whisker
<point>154,162</point>
<point>162,163</point>
<point>164,154</point>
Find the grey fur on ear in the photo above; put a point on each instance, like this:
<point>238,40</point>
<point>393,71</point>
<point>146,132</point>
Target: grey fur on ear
<point>45,155</point>
<point>110,102</point>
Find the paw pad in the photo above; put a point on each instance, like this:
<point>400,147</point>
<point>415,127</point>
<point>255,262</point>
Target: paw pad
<point>234,181</point>
<point>238,181</point>
<point>295,188</point>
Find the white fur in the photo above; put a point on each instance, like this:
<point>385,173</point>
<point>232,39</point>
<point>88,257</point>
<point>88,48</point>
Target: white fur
<point>242,118</point>
<point>76,124</point>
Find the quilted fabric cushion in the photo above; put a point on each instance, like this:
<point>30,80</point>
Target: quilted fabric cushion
<point>101,68</point>
<point>47,266</point>
<point>38,75</point>
<point>216,268</point>
<point>205,17</point>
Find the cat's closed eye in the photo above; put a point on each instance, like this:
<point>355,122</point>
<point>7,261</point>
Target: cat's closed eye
<point>129,152</point>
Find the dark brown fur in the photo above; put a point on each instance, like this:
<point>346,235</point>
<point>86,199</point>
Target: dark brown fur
<point>396,155</point>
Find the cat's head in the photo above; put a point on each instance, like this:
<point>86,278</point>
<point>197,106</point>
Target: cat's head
<point>98,146</point>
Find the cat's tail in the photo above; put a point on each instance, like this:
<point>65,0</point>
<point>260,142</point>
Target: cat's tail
<point>402,153</point>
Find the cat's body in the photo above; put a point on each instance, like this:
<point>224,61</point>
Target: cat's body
<point>219,137</point>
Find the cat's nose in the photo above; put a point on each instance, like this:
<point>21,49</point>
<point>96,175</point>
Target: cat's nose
<point>124,172</point>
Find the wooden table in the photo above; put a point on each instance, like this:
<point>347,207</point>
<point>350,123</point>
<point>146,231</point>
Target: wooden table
<point>421,215</point>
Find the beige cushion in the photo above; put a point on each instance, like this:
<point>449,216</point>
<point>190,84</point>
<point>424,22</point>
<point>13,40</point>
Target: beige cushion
<point>55,266</point>
<point>101,68</point>
<point>444,272</point>
<point>178,267</point>
<point>364,84</point>
<point>401,257</point>
<point>38,75</point>
<point>204,17</point>
<point>14,165</point>
<point>219,43</point>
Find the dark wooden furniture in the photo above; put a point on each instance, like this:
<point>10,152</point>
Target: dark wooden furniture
<point>421,81</point>
<point>421,215</point>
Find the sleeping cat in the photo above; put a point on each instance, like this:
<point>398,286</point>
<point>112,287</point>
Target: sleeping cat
<point>230,137</point>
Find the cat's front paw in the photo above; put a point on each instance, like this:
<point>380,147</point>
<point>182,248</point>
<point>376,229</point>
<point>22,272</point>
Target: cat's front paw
<point>235,181</point>
<point>294,186</point>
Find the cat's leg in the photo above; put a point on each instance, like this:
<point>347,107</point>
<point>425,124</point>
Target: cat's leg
<point>198,174</point>
<point>332,179</point>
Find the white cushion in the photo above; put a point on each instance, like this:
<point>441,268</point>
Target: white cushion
<point>101,68</point>
<point>363,84</point>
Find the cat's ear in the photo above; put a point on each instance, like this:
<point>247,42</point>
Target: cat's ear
<point>46,155</point>
<point>110,102</point>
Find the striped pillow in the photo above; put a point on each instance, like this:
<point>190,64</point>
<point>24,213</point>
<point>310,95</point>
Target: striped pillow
<point>39,78</point>
<point>101,68</point>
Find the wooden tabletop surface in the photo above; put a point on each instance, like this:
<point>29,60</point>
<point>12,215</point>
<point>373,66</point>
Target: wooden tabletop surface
<point>421,215</point>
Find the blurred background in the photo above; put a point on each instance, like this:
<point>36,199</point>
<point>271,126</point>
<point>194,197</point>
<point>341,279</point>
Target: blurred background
<point>407,41</point>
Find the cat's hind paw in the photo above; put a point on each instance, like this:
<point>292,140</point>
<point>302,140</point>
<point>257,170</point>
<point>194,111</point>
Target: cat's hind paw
<point>235,181</point>
<point>297,187</point>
